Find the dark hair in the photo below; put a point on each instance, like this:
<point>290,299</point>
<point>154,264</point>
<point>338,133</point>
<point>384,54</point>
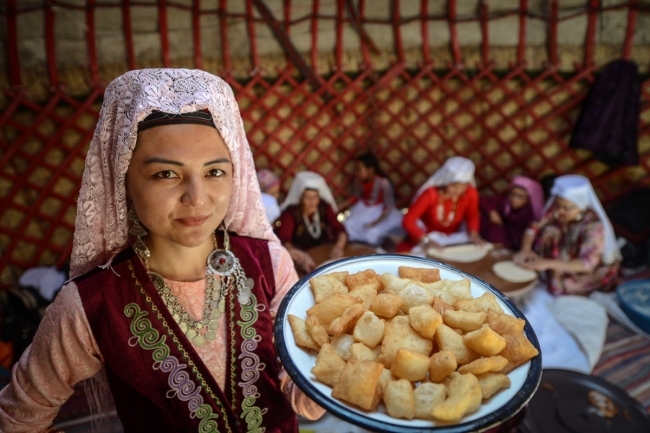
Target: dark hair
<point>370,160</point>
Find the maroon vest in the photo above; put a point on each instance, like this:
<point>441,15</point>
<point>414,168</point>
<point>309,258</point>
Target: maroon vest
<point>158,381</point>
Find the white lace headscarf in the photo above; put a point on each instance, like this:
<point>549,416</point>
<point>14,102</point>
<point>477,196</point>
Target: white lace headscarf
<point>308,180</point>
<point>455,170</point>
<point>578,190</point>
<point>101,227</point>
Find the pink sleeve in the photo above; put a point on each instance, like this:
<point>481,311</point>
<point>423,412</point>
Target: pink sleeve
<point>285,278</point>
<point>63,353</point>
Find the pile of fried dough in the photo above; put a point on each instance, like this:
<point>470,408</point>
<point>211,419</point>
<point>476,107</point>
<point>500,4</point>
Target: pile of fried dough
<point>423,346</point>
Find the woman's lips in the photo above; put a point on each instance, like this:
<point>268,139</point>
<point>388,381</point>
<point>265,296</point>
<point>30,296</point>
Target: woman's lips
<point>192,221</point>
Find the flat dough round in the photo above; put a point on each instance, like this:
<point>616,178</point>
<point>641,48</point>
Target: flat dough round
<point>461,253</point>
<point>512,272</point>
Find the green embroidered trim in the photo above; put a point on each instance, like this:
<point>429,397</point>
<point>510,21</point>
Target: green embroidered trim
<point>205,422</point>
<point>251,366</point>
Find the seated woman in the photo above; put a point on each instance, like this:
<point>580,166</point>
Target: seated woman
<point>270,188</point>
<point>504,219</point>
<point>574,243</point>
<point>374,216</point>
<point>446,200</point>
<point>309,219</point>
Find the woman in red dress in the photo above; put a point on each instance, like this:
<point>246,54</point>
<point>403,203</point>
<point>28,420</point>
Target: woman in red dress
<point>441,206</point>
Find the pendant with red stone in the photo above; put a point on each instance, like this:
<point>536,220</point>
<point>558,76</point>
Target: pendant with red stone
<point>221,262</point>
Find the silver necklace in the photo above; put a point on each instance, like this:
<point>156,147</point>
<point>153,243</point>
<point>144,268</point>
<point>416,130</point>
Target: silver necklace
<point>313,227</point>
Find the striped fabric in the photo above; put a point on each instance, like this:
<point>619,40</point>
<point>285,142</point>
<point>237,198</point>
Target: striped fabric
<point>626,362</point>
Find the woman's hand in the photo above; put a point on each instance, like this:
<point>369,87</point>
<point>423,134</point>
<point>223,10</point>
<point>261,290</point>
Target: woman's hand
<point>538,264</point>
<point>495,218</point>
<point>426,242</point>
<point>475,238</point>
<point>302,259</point>
<point>525,256</point>
<point>308,263</point>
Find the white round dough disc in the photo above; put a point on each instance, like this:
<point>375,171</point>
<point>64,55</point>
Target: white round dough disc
<point>461,253</point>
<point>512,272</point>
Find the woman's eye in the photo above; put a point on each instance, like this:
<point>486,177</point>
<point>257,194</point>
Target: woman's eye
<point>165,174</point>
<point>215,172</point>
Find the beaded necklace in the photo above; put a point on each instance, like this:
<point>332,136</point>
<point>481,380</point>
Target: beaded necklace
<point>440,210</point>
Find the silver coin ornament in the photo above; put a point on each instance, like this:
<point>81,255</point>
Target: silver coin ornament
<point>222,262</point>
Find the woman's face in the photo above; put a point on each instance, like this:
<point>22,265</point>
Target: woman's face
<point>180,181</point>
<point>518,197</point>
<point>565,210</point>
<point>364,173</point>
<point>309,202</point>
<point>456,189</point>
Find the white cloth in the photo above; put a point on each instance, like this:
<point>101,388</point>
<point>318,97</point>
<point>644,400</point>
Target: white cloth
<point>361,214</point>
<point>455,169</point>
<point>578,190</point>
<point>559,348</point>
<point>47,280</point>
<point>586,320</point>
<point>308,180</point>
<point>271,207</point>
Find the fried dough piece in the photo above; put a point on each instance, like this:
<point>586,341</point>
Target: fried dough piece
<point>301,334</point>
<point>463,397</point>
<point>332,308</point>
<point>358,384</point>
<point>329,365</point>
<point>324,286</point>
<point>386,305</point>
<point>424,275</point>
<point>485,341</point>
<point>399,334</point>
<point>425,320</point>
<point>399,399</point>
<point>448,339</point>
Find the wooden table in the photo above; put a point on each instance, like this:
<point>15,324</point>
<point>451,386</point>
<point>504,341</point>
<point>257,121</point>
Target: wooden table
<point>483,269</point>
<point>321,253</point>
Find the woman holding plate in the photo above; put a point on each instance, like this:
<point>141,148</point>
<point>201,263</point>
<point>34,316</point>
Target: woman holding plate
<point>441,206</point>
<point>177,274</point>
<point>574,243</point>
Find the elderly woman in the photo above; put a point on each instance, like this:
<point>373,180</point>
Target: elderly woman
<point>270,187</point>
<point>442,204</point>
<point>373,216</point>
<point>573,244</point>
<point>183,346</point>
<point>505,219</point>
<point>309,219</point>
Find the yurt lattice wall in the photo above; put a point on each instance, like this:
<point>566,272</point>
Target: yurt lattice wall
<point>415,81</point>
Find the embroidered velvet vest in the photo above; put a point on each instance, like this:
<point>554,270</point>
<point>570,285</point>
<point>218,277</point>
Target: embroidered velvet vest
<point>158,381</point>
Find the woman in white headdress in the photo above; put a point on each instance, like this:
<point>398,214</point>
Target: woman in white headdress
<point>309,219</point>
<point>574,243</point>
<point>177,274</point>
<point>442,204</point>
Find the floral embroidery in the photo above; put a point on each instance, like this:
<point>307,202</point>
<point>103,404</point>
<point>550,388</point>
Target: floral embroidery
<point>179,380</point>
<point>251,366</point>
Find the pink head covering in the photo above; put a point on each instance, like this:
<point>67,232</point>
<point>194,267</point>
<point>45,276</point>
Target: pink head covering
<point>267,179</point>
<point>535,194</point>
<point>101,227</point>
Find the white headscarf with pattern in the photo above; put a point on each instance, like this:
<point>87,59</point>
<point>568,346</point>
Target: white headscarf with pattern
<point>101,227</point>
